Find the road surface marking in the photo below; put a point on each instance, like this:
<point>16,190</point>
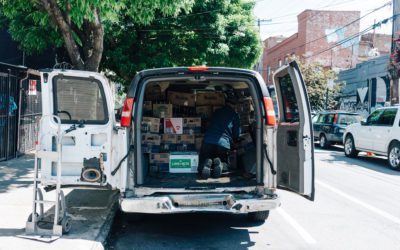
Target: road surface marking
<point>361,203</point>
<point>300,230</point>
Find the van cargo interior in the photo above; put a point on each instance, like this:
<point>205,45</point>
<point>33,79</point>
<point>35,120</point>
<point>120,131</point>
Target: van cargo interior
<point>174,116</point>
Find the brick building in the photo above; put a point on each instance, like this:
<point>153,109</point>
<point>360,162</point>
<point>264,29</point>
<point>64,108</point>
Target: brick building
<point>317,31</point>
<point>374,45</point>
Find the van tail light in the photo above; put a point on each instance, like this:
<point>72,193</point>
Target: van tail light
<point>269,108</point>
<point>126,116</point>
<point>335,118</point>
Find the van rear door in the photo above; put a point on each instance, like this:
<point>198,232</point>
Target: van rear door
<point>84,103</point>
<point>294,136</point>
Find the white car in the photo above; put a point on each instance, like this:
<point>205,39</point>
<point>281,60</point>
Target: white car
<point>379,134</point>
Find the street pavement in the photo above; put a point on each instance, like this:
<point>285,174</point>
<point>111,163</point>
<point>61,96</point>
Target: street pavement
<point>357,206</point>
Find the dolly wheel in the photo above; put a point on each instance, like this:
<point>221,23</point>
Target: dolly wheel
<point>66,224</point>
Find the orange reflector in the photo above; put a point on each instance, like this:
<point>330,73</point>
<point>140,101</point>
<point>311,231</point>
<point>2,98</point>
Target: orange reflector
<point>269,108</point>
<point>198,68</point>
<point>126,116</point>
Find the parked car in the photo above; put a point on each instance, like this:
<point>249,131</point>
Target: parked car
<point>329,126</point>
<point>379,134</point>
<point>98,150</point>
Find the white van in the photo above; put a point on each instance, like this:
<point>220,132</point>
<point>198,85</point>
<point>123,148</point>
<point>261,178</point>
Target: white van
<point>97,150</point>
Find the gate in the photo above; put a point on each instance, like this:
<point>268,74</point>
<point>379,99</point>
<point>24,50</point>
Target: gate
<point>20,109</point>
<point>8,112</point>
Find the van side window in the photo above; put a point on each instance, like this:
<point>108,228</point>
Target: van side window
<point>290,106</point>
<point>79,99</point>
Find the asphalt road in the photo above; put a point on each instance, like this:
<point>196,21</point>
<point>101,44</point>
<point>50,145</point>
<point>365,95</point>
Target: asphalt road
<point>357,206</point>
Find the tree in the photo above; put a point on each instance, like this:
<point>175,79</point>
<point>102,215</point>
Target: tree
<point>215,33</point>
<point>321,95</point>
<point>79,25</point>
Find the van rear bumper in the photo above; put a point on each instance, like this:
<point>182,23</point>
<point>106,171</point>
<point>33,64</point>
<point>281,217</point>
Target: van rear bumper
<point>188,203</point>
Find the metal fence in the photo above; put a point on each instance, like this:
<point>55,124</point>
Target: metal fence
<point>20,108</point>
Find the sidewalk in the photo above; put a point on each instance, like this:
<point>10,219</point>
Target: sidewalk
<point>92,211</point>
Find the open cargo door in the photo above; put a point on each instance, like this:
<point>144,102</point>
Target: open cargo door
<point>294,135</point>
<point>83,102</point>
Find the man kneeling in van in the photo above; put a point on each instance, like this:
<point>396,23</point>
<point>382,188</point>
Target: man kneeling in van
<point>222,132</point>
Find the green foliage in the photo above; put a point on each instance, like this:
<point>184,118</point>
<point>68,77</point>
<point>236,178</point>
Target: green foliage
<point>216,33</point>
<point>140,34</point>
<point>316,78</point>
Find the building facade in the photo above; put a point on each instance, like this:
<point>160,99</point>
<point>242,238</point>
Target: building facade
<point>367,86</point>
<point>317,32</point>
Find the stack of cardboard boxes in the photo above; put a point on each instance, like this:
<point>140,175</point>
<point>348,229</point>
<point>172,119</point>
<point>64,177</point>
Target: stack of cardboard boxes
<point>173,125</point>
<point>174,122</point>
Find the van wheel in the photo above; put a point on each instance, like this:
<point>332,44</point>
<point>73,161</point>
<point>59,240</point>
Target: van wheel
<point>349,147</point>
<point>259,216</point>
<point>394,156</point>
<point>323,142</point>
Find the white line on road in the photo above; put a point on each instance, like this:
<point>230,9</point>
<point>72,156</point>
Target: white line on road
<point>361,203</point>
<point>300,230</point>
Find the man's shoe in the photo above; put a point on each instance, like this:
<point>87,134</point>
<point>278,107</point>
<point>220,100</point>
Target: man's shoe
<point>206,171</point>
<point>217,168</point>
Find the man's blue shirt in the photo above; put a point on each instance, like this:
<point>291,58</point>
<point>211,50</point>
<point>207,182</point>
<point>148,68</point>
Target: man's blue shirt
<point>223,128</point>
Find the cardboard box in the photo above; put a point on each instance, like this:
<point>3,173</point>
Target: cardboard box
<point>150,124</point>
<point>244,106</point>
<point>192,125</point>
<point>162,110</point>
<point>182,99</point>
<point>216,107</point>
<point>205,112</point>
<point>147,108</point>
<point>151,143</point>
<point>246,143</point>
<point>183,162</point>
<point>173,126</point>
<point>168,143</point>
<point>160,160</point>
<point>168,138</point>
<point>210,98</point>
<point>185,139</point>
<point>154,93</point>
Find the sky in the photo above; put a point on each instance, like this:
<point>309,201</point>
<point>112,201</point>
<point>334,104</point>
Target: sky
<point>283,13</point>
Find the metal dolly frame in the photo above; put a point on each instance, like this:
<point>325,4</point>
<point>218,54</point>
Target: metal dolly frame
<point>62,221</point>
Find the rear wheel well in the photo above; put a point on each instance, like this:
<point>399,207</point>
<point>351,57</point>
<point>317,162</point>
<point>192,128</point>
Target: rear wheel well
<point>392,143</point>
<point>347,135</point>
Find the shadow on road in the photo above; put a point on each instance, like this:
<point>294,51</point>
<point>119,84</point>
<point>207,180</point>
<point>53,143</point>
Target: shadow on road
<point>186,231</point>
<point>375,163</point>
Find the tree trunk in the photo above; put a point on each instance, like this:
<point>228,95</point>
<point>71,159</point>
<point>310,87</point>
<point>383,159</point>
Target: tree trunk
<point>92,36</point>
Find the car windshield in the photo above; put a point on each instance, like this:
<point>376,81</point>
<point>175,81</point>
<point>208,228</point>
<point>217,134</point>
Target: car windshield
<point>345,119</point>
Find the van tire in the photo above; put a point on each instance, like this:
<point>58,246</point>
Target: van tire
<point>259,216</point>
<point>349,147</point>
<point>393,156</point>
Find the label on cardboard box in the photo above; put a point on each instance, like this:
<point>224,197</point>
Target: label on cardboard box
<point>159,158</point>
<point>210,98</point>
<point>150,124</point>
<point>162,110</point>
<point>183,162</point>
<point>173,126</point>
<point>192,125</point>
<point>182,99</point>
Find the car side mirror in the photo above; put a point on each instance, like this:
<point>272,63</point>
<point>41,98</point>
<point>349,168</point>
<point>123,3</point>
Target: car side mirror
<point>363,123</point>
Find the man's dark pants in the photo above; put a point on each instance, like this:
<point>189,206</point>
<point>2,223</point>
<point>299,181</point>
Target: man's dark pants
<point>212,151</point>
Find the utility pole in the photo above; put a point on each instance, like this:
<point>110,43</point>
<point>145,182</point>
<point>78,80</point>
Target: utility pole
<point>394,83</point>
<point>260,65</point>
